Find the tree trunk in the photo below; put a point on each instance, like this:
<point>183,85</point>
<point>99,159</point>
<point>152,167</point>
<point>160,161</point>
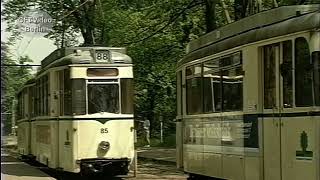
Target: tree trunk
<point>89,19</point>
<point>240,9</point>
<point>210,15</point>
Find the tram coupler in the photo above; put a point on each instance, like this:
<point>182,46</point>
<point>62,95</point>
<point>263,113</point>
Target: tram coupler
<point>104,166</point>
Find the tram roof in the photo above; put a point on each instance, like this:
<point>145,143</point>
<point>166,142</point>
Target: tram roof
<point>85,55</point>
<point>264,25</point>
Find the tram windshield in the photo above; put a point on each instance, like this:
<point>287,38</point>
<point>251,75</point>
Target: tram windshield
<point>103,98</point>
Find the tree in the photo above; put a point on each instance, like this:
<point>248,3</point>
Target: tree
<point>13,78</point>
<point>154,32</point>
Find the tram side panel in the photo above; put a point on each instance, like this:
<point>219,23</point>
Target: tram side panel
<point>24,138</point>
<point>299,147</point>
<point>66,145</point>
<point>193,146</point>
<point>43,143</point>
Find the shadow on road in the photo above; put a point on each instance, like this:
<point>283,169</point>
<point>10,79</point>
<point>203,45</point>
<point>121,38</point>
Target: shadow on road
<point>14,167</point>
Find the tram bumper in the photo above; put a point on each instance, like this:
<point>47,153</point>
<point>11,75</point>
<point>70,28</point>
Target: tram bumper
<point>108,167</point>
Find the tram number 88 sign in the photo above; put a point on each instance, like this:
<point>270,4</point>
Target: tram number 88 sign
<point>102,56</point>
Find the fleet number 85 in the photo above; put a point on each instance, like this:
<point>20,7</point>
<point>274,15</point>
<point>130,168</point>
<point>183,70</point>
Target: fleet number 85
<point>104,130</point>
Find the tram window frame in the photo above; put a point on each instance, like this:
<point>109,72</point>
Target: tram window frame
<point>303,73</point>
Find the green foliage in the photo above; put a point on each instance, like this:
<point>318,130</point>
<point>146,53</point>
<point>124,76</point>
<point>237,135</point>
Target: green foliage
<point>12,79</point>
<point>154,32</point>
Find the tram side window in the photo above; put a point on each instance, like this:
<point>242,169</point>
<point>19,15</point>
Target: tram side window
<point>232,81</point>
<point>25,105</point>
<point>40,97</point>
<point>61,92</point>
<point>31,101</point>
<point>127,95</point>
<point>78,96</point>
<point>303,74</point>
<point>179,93</point>
<point>286,73</point>
<point>316,76</point>
<point>194,97</point>
<point>18,106</point>
<point>212,86</point>
<point>67,99</point>
<point>269,53</point>
<point>37,100</point>
<point>45,95</point>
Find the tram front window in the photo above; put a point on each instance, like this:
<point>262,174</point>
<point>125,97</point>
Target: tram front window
<point>103,98</point>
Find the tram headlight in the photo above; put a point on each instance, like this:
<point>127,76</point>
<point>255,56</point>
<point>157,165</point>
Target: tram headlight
<point>104,145</point>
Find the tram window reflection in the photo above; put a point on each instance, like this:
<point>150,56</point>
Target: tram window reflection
<point>303,74</point>
<point>232,81</point>
<point>212,86</point>
<point>103,98</point>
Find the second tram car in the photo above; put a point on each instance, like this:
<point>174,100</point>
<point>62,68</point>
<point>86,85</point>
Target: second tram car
<point>77,113</point>
<point>248,97</point>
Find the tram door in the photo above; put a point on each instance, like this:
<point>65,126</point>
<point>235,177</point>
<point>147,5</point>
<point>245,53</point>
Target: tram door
<point>289,136</point>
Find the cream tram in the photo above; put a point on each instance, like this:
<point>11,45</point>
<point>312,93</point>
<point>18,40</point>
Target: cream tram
<point>248,97</point>
<point>77,113</point>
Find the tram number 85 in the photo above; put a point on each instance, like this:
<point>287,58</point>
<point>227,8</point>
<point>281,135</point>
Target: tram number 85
<point>104,130</point>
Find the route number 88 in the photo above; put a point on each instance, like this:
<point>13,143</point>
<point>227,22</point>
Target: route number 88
<point>102,56</point>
